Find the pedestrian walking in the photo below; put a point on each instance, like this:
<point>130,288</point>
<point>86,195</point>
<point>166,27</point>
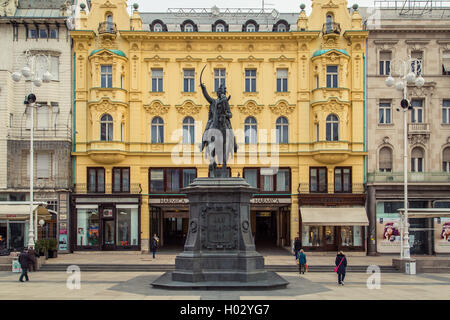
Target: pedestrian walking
<point>154,244</point>
<point>341,265</point>
<point>301,262</point>
<point>297,247</point>
<point>33,261</point>
<point>25,261</point>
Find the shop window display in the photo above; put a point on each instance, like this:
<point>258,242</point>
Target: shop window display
<point>312,236</point>
<point>351,236</point>
<point>127,227</point>
<point>87,227</point>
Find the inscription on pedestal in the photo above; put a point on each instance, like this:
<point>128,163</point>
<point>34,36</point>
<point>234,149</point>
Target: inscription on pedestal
<point>219,227</point>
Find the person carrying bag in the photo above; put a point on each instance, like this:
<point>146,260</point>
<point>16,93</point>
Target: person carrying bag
<point>341,265</point>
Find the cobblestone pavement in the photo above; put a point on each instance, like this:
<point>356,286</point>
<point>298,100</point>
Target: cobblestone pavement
<point>136,286</point>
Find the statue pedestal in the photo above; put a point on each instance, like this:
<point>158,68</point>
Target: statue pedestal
<point>219,251</point>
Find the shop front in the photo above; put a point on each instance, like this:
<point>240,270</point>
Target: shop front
<point>106,224</point>
<point>14,223</point>
<point>270,220</point>
<point>332,223</point>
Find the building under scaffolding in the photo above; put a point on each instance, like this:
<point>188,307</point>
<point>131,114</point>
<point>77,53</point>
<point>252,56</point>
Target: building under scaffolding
<point>416,8</point>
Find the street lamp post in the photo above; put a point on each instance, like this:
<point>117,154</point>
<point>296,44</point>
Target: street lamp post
<point>31,74</point>
<point>406,75</point>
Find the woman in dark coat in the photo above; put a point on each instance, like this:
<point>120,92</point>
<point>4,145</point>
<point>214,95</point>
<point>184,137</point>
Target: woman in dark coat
<point>341,263</point>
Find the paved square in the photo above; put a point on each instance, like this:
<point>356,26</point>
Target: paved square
<point>311,286</point>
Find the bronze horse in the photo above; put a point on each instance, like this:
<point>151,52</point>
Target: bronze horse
<point>218,136</point>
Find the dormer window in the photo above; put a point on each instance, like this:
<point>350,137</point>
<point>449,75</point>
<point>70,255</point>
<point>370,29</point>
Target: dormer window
<point>188,26</point>
<point>281,28</point>
<point>220,28</point>
<point>158,28</point>
<point>251,28</point>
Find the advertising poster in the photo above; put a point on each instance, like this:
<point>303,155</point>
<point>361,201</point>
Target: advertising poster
<point>442,235</point>
<point>16,266</point>
<point>388,235</point>
<point>63,242</point>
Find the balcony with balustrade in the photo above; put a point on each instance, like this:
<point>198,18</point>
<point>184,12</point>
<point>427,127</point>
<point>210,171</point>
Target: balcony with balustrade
<point>413,177</point>
<point>332,195</point>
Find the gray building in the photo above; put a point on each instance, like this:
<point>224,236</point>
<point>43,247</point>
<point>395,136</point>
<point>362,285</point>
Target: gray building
<point>38,29</point>
<point>399,29</point>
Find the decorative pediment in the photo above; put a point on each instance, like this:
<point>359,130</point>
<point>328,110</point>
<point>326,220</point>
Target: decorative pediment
<point>220,59</point>
<point>250,108</point>
<point>282,58</point>
<point>116,109</point>
<point>282,108</point>
<point>189,59</point>
<point>156,108</point>
<point>188,108</point>
<point>251,59</point>
<point>108,4</point>
<point>330,5</point>
<point>157,58</point>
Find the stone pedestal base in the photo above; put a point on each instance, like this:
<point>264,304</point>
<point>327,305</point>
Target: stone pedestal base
<point>219,251</point>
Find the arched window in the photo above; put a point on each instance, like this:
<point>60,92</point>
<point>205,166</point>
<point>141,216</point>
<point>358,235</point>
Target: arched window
<point>158,27</point>
<point>109,22</point>
<point>188,27</point>
<point>329,23</point>
<point>332,128</point>
<point>188,130</point>
<point>251,28</point>
<point>220,28</point>
<point>385,159</point>
<point>417,163</point>
<point>446,160</point>
<point>281,28</point>
<point>106,128</point>
<point>250,128</point>
<point>282,130</point>
<point>157,130</point>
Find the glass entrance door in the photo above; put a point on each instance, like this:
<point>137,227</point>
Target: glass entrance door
<point>3,235</point>
<point>108,234</point>
<point>330,238</point>
<point>16,235</point>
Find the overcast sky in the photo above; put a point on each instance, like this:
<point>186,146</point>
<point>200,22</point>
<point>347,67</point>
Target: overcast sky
<point>279,5</point>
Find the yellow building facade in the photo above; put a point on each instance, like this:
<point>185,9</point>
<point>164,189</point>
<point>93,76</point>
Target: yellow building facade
<point>297,98</point>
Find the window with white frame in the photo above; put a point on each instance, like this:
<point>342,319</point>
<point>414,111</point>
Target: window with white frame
<point>250,80</point>
<point>282,130</point>
<point>157,130</point>
<point>446,63</point>
<point>282,80</point>
<point>384,112</point>
<point>332,128</point>
<point>157,27</point>
<point>157,80</point>
<point>106,128</point>
<point>188,27</point>
<point>106,76</point>
<point>220,27</point>
<point>188,80</point>
<point>251,27</point>
<point>385,62</point>
<point>417,163</point>
<point>417,62</point>
<point>446,160</point>
<point>43,164</point>
<point>219,78</point>
<point>446,111</point>
<point>281,27</point>
<point>43,116</point>
<point>417,111</point>
<point>188,130</point>
<point>250,130</point>
<point>385,159</point>
<point>332,76</point>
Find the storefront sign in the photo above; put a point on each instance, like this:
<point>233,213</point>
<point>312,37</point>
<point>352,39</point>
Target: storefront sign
<point>11,216</point>
<point>62,242</point>
<point>388,235</point>
<point>168,201</point>
<point>442,235</point>
<point>268,201</point>
<point>62,231</point>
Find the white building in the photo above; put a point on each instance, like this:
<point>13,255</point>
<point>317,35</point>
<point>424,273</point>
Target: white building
<point>36,27</point>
